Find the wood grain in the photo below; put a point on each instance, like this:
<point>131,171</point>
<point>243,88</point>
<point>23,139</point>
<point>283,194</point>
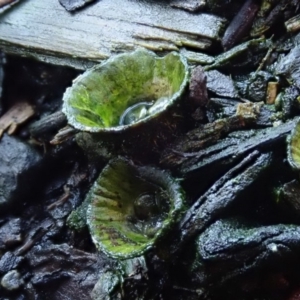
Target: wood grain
<point>44,30</point>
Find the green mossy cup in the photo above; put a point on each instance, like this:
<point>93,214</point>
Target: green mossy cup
<point>98,99</point>
<point>131,207</point>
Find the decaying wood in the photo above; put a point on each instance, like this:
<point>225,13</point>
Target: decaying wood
<point>289,196</point>
<point>249,109</point>
<point>190,5</point>
<point>15,116</point>
<point>6,4</point>
<point>241,24</point>
<point>272,92</point>
<point>234,148</point>
<point>222,194</point>
<point>33,236</point>
<point>63,135</point>
<point>197,58</point>
<point>45,30</point>
<point>202,137</point>
<point>293,24</point>
<point>197,89</point>
<point>62,199</point>
<point>45,127</point>
<point>74,4</point>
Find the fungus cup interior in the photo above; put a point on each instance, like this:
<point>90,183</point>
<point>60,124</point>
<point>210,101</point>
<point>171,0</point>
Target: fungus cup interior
<point>98,98</point>
<point>131,207</point>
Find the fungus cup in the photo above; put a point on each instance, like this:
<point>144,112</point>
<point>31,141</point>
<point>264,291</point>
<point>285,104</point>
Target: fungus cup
<point>124,91</point>
<point>131,207</point>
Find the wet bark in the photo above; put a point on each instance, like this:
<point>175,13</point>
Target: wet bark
<point>102,29</point>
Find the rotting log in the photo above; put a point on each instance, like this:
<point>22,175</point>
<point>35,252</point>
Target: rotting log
<point>44,30</point>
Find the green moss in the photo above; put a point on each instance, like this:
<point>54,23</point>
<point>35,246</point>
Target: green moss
<point>77,218</point>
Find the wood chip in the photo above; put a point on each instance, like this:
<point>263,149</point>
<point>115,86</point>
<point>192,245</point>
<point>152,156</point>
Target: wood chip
<point>249,109</point>
<point>189,5</point>
<point>72,5</point>
<point>6,4</point>
<point>272,92</point>
<point>15,116</point>
<point>293,24</point>
<point>63,135</point>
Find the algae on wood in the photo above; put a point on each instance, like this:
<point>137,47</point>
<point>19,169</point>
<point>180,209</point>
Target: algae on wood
<point>45,30</point>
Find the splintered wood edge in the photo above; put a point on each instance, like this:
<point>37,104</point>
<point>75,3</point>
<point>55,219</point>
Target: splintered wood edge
<point>31,29</point>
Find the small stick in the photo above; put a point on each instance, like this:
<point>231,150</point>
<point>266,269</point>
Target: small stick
<point>63,135</point>
<point>34,237</point>
<point>62,199</point>
<point>44,128</point>
<point>264,60</point>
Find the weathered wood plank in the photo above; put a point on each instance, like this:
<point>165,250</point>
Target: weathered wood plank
<point>45,30</point>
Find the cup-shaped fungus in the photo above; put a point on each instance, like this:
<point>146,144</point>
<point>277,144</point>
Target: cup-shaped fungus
<point>131,207</point>
<point>124,91</point>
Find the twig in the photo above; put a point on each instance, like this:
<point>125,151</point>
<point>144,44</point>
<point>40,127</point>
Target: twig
<point>264,60</point>
<point>62,199</point>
